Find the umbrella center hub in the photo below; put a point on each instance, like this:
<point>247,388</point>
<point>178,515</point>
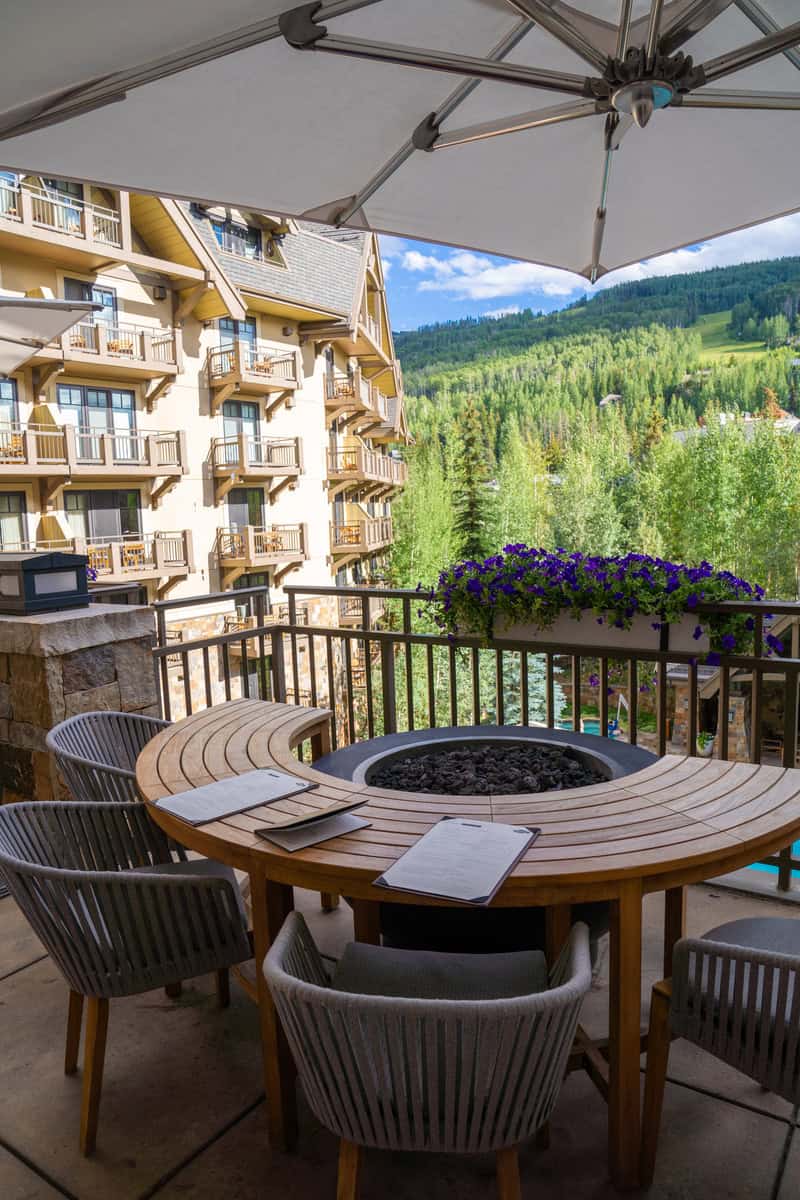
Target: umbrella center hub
<point>641,99</point>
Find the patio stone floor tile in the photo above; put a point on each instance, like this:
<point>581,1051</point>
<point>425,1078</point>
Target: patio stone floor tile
<point>183,1113</point>
<point>18,1182</point>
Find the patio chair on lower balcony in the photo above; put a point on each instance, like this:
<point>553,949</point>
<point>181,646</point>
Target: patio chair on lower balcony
<point>735,993</point>
<point>117,915</point>
<point>96,752</point>
<point>410,1050</point>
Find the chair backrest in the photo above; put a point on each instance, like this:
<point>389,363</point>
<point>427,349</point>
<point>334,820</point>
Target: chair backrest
<point>743,1006</point>
<point>112,931</point>
<point>445,1075</point>
<point>96,752</point>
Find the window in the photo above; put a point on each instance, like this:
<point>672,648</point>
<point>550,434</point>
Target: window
<point>243,240</point>
<point>246,507</point>
<point>103,410</point>
<point>240,417</point>
<point>96,515</point>
<point>9,188</point>
<point>64,188</point>
<point>231,331</point>
<point>8,402</point>
<point>79,289</point>
<point>12,520</point>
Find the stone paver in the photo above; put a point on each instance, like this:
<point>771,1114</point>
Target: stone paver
<point>181,1114</point>
<point>18,1182</point>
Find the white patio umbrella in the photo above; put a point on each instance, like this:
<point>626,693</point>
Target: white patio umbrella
<point>519,127</point>
<point>27,325</point>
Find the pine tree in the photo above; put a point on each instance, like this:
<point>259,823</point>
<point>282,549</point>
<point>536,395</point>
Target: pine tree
<point>474,490</point>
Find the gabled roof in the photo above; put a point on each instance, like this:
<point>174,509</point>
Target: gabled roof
<point>321,268</point>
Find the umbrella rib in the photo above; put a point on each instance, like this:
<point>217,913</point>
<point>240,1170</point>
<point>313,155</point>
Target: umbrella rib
<point>454,64</point>
<point>624,33</point>
<point>787,101</point>
<point>692,20</point>
<point>752,53</point>
<point>448,106</point>
<point>516,124</point>
<point>107,89</point>
<point>555,23</point>
<point>766,24</point>
<point>653,29</point>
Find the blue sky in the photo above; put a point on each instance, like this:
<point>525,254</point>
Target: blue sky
<point>428,283</point>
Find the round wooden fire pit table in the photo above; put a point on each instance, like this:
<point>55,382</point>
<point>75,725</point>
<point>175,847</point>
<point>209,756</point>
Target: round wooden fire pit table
<point>678,821</point>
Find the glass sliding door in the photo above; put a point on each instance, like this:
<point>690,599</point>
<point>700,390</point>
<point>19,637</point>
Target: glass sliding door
<point>231,331</point>
<point>8,402</point>
<point>13,533</point>
<point>240,417</point>
<point>103,516</point>
<point>246,507</point>
<point>97,411</point>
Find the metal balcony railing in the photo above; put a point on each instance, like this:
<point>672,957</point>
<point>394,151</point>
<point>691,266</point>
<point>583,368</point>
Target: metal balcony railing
<point>402,676</point>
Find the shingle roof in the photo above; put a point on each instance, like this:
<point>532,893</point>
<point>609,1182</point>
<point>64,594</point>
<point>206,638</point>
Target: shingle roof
<point>322,266</point>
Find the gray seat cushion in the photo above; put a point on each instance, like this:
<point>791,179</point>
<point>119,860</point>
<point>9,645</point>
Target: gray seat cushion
<point>777,935</point>
<point>204,868</point>
<point>424,975</point>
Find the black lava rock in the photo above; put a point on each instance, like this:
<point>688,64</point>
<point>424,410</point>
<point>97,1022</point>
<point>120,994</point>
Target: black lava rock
<point>486,770</point>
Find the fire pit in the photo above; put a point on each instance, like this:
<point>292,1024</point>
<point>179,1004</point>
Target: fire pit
<point>482,760</point>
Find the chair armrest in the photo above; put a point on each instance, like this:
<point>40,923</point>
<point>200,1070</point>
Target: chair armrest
<point>575,960</point>
<point>294,952</point>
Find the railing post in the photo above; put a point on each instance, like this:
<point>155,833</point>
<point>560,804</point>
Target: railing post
<point>182,448</point>
<point>29,448</point>
<point>116,558</point>
<point>188,550</point>
<point>108,443</point>
<point>278,667</point>
<point>243,451</point>
<point>159,556</point>
<point>388,687</point>
<point>101,338</point>
<point>151,456</point>
<point>26,207</point>
<point>145,345</point>
<point>70,447</point>
<point>249,543</point>
<point>124,211</point>
<point>304,540</point>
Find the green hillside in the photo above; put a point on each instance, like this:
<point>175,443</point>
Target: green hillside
<point>718,342</point>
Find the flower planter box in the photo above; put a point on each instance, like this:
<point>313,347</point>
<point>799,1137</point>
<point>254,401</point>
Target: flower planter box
<point>566,631</point>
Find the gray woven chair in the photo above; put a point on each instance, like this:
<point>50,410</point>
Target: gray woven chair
<point>96,752</point>
<point>413,1050</point>
<point>116,913</point>
<point>735,992</point>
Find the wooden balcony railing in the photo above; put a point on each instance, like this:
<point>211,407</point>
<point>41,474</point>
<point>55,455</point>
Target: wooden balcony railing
<point>243,452</point>
<point>357,463</point>
<point>131,343</point>
<point>75,450</point>
<point>271,543</point>
<point>45,209</point>
<point>122,557</point>
<point>371,533</point>
<point>246,358</point>
<point>373,327</point>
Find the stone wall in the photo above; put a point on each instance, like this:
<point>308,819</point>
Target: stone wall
<point>57,664</point>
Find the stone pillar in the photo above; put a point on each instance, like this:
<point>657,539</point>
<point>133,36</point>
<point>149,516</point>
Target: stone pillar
<point>56,664</point>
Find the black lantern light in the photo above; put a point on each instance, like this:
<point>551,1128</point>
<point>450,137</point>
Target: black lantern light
<point>42,581</point>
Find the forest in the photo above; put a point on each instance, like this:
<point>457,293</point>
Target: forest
<point>604,428</point>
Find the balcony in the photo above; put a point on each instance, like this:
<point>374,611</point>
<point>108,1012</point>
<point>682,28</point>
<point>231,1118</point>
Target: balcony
<point>43,208</point>
<point>352,614</point>
<point>253,369</point>
<point>132,557</point>
<point>355,466</point>
<point>353,539</point>
<point>60,454</point>
<point>253,548</point>
<point>356,401</point>
<point>278,615</point>
<point>240,459</point>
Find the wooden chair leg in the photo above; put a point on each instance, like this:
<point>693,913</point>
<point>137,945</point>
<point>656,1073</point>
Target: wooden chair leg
<point>74,1018</point>
<point>93,1060</point>
<point>349,1161</point>
<point>329,901</point>
<point>173,990</point>
<point>508,1185</point>
<point>655,1078</point>
<point>223,987</point>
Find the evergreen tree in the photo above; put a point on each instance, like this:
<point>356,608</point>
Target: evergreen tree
<point>474,489</point>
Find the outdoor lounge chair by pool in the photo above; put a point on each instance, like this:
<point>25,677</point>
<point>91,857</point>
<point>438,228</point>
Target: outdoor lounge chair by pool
<point>735,992</point>
<point>117,914</point>
<point>412,1050</point>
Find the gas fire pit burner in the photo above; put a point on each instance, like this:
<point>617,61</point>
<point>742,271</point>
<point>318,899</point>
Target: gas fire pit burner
<point>485,768</point>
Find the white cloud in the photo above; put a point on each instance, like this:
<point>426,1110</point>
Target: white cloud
<point>386,263</point>
<point>471,277</point>
<point>773,239</point>
<point>508,311</point>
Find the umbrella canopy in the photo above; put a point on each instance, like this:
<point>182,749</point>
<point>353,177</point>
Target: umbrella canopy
<point>26,325</point>
<point>584,135</point>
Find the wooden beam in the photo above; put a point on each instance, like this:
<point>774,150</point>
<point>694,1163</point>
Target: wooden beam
<point>162,489</point>
<point>190,301</point>
<point>286,397</point>
<point>220,395</point>
<point>223,485</point>
<point>160,389</point>
<point>288,481</point>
